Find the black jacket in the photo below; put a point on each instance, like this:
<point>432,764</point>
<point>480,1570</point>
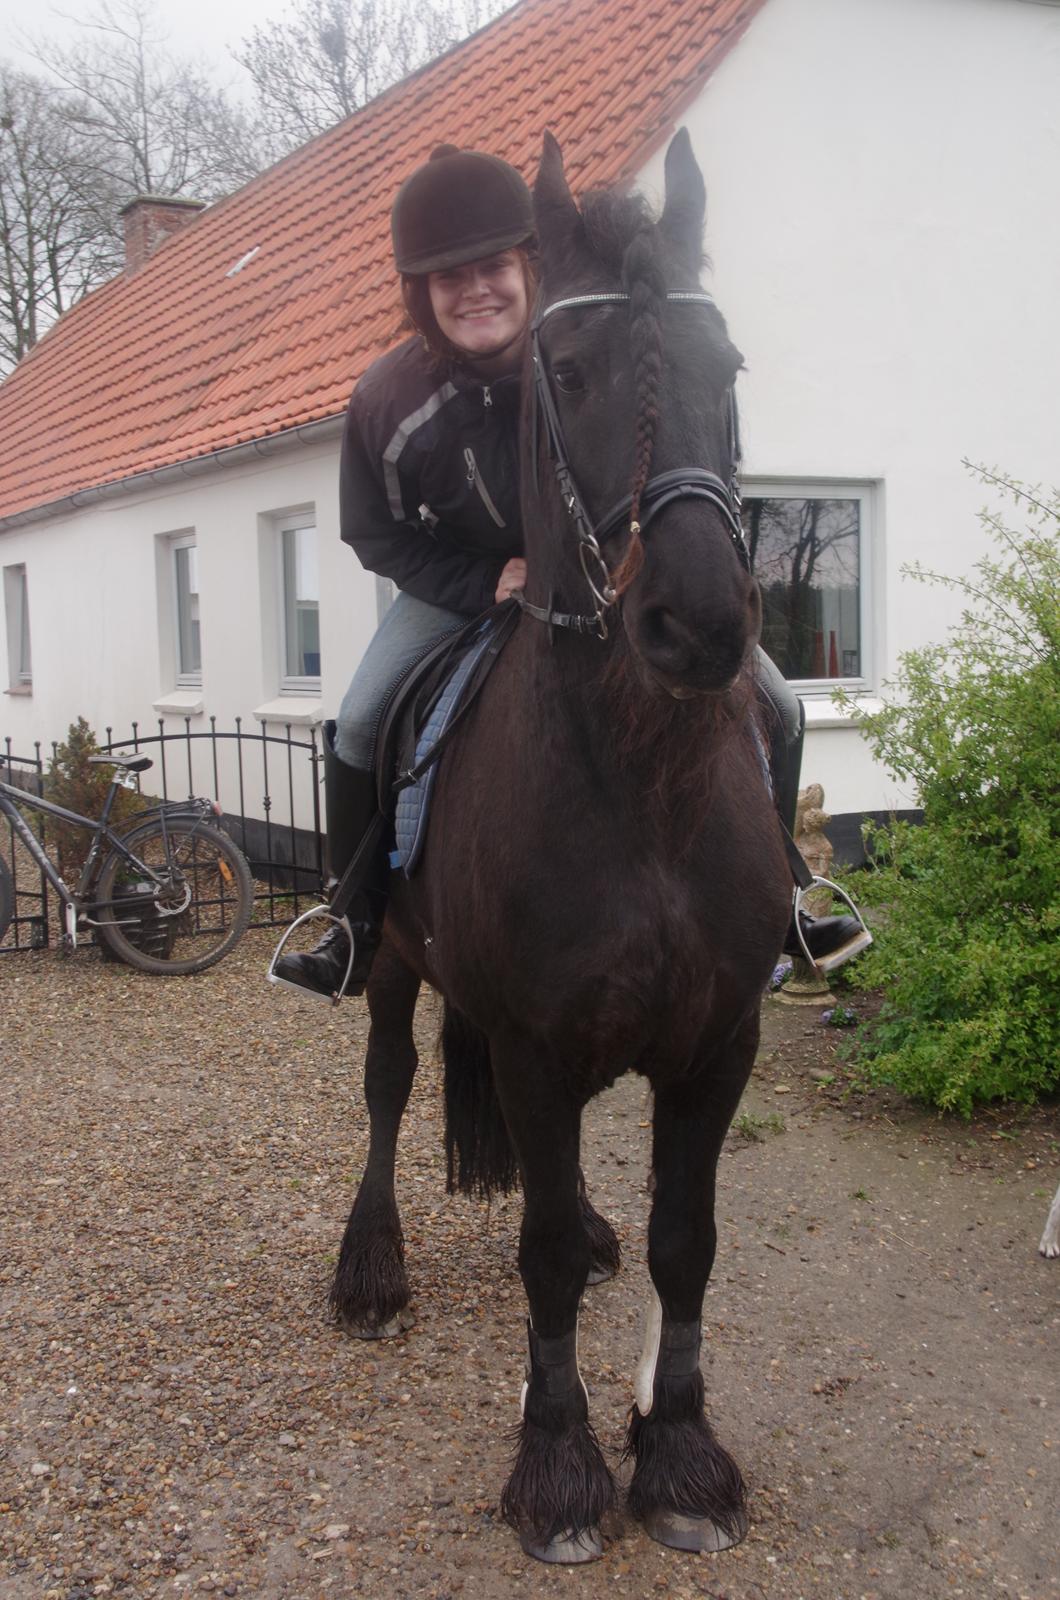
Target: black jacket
<point>429,478</point>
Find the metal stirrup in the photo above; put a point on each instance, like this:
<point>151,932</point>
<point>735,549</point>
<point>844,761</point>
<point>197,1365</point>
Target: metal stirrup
<point>314,994</point>
<point>822,883</point>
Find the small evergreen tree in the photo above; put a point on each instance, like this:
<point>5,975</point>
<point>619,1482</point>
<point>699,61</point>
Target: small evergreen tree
<point>72,782</point>
<point>966,951</point>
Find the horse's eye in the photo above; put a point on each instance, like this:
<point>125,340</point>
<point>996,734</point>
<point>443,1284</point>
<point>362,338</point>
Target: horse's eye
<point>567,378</point>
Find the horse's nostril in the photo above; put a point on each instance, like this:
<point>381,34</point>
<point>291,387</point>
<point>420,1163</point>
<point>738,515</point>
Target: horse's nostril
<point>706,650</point>
<point>665,640</point>
<point>657,630</point>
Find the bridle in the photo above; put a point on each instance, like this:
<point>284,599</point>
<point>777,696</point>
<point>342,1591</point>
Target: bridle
<point>680,483</point>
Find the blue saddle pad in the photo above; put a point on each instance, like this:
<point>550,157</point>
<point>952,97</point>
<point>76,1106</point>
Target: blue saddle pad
<point>413,803</point>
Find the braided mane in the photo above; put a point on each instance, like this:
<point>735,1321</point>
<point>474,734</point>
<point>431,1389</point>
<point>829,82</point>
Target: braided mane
<point>621,232</point>
<point>684,739</point>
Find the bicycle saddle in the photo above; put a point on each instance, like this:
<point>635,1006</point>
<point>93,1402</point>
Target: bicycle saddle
<point>130,763</point>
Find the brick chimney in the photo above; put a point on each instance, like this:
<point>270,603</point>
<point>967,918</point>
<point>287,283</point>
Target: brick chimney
<point>149,220</point>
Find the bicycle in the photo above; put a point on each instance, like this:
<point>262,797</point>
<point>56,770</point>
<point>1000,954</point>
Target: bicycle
<point>168,891</point>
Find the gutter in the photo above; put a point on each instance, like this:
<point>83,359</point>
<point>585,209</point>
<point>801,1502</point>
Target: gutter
<point>232,455</point>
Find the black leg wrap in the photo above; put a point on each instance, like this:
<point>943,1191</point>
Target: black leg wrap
<point>560,1486</point>
<point>686,1488</point>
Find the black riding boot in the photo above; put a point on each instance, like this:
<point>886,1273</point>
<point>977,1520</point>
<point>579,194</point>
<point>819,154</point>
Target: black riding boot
<point>830,940</point>
<point>351,805</point>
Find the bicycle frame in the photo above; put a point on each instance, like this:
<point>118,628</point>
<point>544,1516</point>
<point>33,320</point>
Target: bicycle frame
<point>78,902</point>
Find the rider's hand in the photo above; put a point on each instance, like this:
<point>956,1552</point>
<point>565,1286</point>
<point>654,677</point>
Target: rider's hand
<point>513,577</point>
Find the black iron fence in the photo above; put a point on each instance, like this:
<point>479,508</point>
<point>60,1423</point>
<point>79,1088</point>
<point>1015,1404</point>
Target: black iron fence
<point>267,784</point>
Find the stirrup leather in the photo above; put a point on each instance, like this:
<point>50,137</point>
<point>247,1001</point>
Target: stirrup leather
<point>823,965</point>
<point>300,988</point>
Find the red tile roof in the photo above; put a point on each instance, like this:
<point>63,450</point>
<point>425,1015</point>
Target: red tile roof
<point>184,359</point>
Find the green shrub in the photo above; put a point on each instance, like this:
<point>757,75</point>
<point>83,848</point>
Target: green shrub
<point>966,949</point>
<point>71,782</point>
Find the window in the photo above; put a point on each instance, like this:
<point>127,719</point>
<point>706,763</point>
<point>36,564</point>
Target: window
<point>300,590</point>
<point>16,608</point>
<point>186,595</point>
<point>809,551</point>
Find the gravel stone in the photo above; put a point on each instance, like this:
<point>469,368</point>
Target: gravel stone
<point>178,1415</point>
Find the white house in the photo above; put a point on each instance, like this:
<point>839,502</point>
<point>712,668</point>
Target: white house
<point>884,228</point>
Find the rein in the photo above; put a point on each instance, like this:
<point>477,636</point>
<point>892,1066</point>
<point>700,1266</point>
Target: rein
<point>680,483</point>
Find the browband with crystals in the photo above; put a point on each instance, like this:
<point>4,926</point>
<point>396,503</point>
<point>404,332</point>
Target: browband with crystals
<point>615,297</point>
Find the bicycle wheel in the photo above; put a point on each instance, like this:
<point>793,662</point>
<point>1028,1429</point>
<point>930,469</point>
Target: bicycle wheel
<point>197,916</point>
<point>7,897</point>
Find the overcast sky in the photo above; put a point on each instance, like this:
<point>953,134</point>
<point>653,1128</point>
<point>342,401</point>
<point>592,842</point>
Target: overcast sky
<point>202,28</point>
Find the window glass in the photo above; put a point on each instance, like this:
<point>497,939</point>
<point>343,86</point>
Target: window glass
<point>807,557</point>
<point>301,603</point>
<point>25,661</point>
<point>186,582</point>
<point>16,607</point>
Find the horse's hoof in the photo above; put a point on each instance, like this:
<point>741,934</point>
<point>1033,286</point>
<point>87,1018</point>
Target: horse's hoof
<point>367,1328</point>
<point>567,1548</point>
<point>599,1274</point>
<point>691,1533</point>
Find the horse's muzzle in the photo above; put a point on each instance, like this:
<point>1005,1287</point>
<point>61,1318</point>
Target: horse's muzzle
<point>686,659</point>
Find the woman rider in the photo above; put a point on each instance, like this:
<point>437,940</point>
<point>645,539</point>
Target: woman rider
<point>429,497</point>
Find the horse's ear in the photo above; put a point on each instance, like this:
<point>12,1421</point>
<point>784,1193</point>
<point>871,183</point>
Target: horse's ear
<point>559,223</point>
<point>685,210</point>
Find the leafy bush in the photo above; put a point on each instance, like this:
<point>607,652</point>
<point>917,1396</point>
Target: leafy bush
<point>71,782</point>
<point>966,951</point>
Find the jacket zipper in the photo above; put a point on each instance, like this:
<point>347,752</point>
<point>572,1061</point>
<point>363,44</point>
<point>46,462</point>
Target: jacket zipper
<point>474,480</point>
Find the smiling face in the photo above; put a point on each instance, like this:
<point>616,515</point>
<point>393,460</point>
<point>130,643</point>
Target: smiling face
<point>481,308</point>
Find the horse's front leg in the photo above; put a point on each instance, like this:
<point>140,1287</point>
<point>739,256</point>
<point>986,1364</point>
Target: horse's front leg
<point>686,1488</point>
<point>370,1292</point>
<point>560,1486</point>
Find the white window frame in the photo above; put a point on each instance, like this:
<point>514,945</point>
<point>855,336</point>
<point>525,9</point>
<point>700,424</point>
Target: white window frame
<point>292,522</point>
<point>184,678</point>
<point>19,638</point>
<point>866,493</point>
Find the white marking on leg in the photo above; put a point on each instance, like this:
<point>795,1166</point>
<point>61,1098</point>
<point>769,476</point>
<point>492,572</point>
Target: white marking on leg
<point>1050,1245</point>
<point>644,1379</point>
<point>577,1364</point>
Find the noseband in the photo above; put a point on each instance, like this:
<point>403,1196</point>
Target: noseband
<point>680,483</point>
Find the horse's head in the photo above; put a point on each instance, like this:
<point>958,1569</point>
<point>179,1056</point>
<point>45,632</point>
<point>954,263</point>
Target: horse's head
<point>634,374</point>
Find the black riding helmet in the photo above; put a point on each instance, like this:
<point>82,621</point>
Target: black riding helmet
<point>459,206</point>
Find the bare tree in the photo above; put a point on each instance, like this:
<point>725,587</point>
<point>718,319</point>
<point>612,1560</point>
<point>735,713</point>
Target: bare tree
<point>329,57</point>
<point>51,247</point>
<point>111,116</point>
<point>154,124</point>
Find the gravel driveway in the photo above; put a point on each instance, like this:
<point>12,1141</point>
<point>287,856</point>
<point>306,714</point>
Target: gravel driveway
<point>177,1158</point>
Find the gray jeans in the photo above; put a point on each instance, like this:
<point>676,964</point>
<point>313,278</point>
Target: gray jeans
<point>409,628</point>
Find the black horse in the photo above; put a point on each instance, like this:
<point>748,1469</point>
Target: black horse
<point>606,887</point>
